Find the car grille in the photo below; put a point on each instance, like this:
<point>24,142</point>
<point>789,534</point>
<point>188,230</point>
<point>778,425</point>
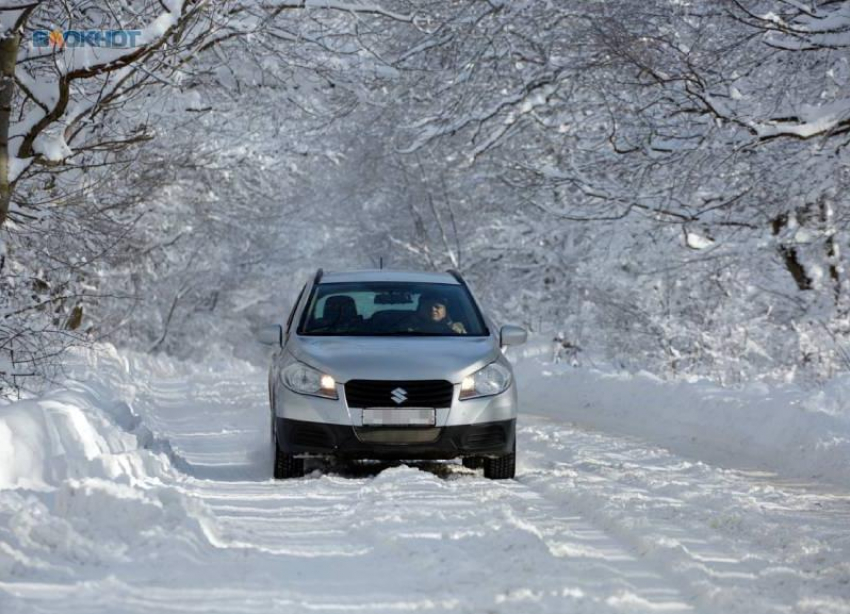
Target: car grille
<point>395,393</point>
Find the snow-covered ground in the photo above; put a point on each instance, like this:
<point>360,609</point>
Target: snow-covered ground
<point>781,428</point>
<point>146,488</point>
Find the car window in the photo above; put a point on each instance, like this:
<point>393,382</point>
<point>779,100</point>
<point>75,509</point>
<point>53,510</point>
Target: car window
<point>391,308</point>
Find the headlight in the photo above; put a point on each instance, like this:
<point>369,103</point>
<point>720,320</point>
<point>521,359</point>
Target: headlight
<point>302,379</point>
<point>492,379</point>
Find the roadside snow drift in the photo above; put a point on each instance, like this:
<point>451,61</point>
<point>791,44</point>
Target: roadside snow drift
<point>73,433</point>
<point>782,428</point>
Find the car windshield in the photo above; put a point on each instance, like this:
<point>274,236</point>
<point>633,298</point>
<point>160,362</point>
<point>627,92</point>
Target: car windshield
<point>391,308</point>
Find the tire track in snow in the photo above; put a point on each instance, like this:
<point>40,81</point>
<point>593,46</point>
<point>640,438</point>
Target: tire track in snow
<point>486,546</point>
<point>626,495</point>
<point>738,543</point>
<point>466,539</point>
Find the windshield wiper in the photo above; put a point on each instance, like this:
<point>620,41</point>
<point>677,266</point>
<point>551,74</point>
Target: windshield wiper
<point>408,333</point>
<point>398,333</point>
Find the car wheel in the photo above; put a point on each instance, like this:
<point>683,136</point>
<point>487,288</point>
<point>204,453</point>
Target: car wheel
<point>285,465</point>
<point>501,467</point>
<point>473,462</point>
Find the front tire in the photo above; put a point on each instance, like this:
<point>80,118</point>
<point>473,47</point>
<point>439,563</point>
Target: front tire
<point>501,467</point>
<point>285,465</point>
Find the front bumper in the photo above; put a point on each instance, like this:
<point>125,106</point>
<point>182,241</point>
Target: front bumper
<point>303,438</point>
<point>293,406</point>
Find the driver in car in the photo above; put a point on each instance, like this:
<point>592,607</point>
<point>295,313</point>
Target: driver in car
<point>434,315</point>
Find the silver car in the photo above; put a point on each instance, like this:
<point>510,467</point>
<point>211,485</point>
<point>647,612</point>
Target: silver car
<point>391,365</point>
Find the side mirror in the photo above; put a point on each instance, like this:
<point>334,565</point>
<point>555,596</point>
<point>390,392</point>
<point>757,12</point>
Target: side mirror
<point>271,335</point>
<point>512,335</point>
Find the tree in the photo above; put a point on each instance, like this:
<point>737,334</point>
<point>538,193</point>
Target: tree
<point>698,151</point>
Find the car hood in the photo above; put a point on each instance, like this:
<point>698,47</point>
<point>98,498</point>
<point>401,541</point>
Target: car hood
<point>396,358</point>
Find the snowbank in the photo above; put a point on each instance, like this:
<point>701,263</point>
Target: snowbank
<point>93,427</point>
<point>74,433</point>
<point>83,481</point>
<point>781,428</point>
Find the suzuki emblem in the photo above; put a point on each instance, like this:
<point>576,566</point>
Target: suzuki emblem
<point>399,395</point>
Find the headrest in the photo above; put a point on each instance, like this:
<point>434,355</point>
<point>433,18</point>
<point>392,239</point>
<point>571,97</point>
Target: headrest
<point>339,307</point>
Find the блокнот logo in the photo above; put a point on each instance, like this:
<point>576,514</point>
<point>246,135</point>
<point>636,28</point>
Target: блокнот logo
<point>59,39</point>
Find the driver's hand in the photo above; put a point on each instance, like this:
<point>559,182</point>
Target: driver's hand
<point>459,328</point>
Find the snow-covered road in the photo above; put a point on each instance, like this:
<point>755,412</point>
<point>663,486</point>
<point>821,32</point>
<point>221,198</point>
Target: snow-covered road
<point>174,511</point>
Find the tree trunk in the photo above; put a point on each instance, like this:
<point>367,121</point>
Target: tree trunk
<point>791,257</point>
<point>8,59</point>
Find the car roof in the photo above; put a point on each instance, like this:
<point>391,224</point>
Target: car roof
<point>388,275</point>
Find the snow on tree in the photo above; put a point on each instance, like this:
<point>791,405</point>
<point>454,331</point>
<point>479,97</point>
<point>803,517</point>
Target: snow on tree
<point>658,183</point>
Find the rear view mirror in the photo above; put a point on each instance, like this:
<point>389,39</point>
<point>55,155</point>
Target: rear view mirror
<point>271,335</point>
<point>393,298</point>
<point>512,335</point>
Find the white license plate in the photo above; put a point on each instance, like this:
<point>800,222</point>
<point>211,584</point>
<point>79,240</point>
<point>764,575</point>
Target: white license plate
<point>391,416</point>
